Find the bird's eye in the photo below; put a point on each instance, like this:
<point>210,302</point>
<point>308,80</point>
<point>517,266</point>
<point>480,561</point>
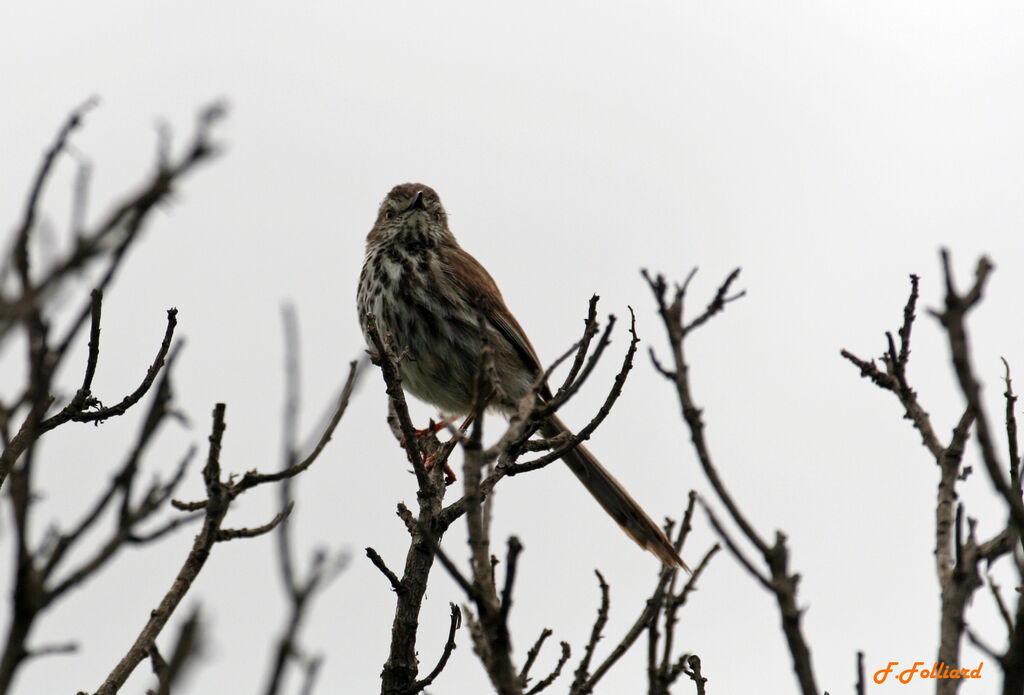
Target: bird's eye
<point>388,214</point>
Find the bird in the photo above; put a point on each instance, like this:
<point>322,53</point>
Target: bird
<point>427,292</point>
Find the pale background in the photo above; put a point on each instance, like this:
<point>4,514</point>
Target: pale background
<point>827,148</point>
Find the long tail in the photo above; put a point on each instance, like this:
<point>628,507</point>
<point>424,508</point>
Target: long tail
<point>615,500</point>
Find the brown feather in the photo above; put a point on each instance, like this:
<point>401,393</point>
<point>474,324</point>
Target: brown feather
<point>476,282</point>
<point>619,504</point>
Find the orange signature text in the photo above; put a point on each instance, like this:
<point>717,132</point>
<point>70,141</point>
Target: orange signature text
<point>939,670</point>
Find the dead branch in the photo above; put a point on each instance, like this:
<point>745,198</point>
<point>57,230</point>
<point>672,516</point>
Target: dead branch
<point>952,319</point>
<point>446,652</point>
<point>489,626</point>
<point>957,557</point>
<point>663,604</point>
<point>402,666</point>
<point>555,672</point>
<point>322,567</point>
<point>186,647</point>
<point>775,557</point>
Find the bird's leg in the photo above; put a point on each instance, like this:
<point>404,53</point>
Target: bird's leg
<point>449,474</point>
<point>446,448</point>
<point>432,428</point>
<point>429,431</point>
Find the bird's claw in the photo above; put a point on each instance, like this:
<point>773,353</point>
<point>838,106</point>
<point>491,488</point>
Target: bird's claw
<point>429,461</point>
<point>449,474</point>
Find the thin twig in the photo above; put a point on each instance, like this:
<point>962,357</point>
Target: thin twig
<point>583,670</point>
<point>449,647</point>
<point>555,672</point>
<point>378,562</point>
<point>531,656</point>
<point>952,319</point>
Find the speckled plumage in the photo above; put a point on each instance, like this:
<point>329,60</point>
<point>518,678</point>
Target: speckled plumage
<point>426,291</point>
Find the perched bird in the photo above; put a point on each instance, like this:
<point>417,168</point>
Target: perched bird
<point>427,292</point>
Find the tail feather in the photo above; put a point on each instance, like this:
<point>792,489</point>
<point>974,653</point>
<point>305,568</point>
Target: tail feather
<point>615,500</point>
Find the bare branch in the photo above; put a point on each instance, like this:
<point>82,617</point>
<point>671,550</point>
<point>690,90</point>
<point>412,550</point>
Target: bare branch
<point>161,531</point>
<point>383,355</point>
<point>185,648</point>
<point>717,304</point>
<point>673,317</point>
<point>908,322</point>
<point>129,515</point>
<point>449,647</point>
<point>1011,429</point>
<point>860,672</point>
<point>570,388</point>
<point>233,533</point>
<point>378,562</point>
<point>1000,604</point>
<point>532,412</point>
<point>982,646</point>
<point>514,548</point>
<point>734,548</point>
<point>299,592</point>
<point>52,650</point>
<point>692,670</point>
<point>254,478</point>
<point>75,410</point>
<point>782,584</point>
<point>581,347</point>
<point>579,684</point>
<point>956,557</point>
<point>21,258</point>
<point>531,656</point>
<point>952,319</point>
<point>216,509</point>
<point>555,672</point>
<point>584,433</point>
<point>312,670</point>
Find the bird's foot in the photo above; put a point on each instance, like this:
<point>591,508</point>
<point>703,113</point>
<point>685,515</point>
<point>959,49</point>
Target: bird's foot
<point>449,474</point>
<point>430,430</point>
<point>429,461</point>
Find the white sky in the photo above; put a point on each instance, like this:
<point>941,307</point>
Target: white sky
<point>829,149</point>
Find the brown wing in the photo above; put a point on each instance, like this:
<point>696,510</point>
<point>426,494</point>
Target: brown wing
<point>476,283</point>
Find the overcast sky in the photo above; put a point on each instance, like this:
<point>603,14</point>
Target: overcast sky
<point>829,149</point>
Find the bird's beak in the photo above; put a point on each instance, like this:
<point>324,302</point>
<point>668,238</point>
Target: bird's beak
<point>417,203</point>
